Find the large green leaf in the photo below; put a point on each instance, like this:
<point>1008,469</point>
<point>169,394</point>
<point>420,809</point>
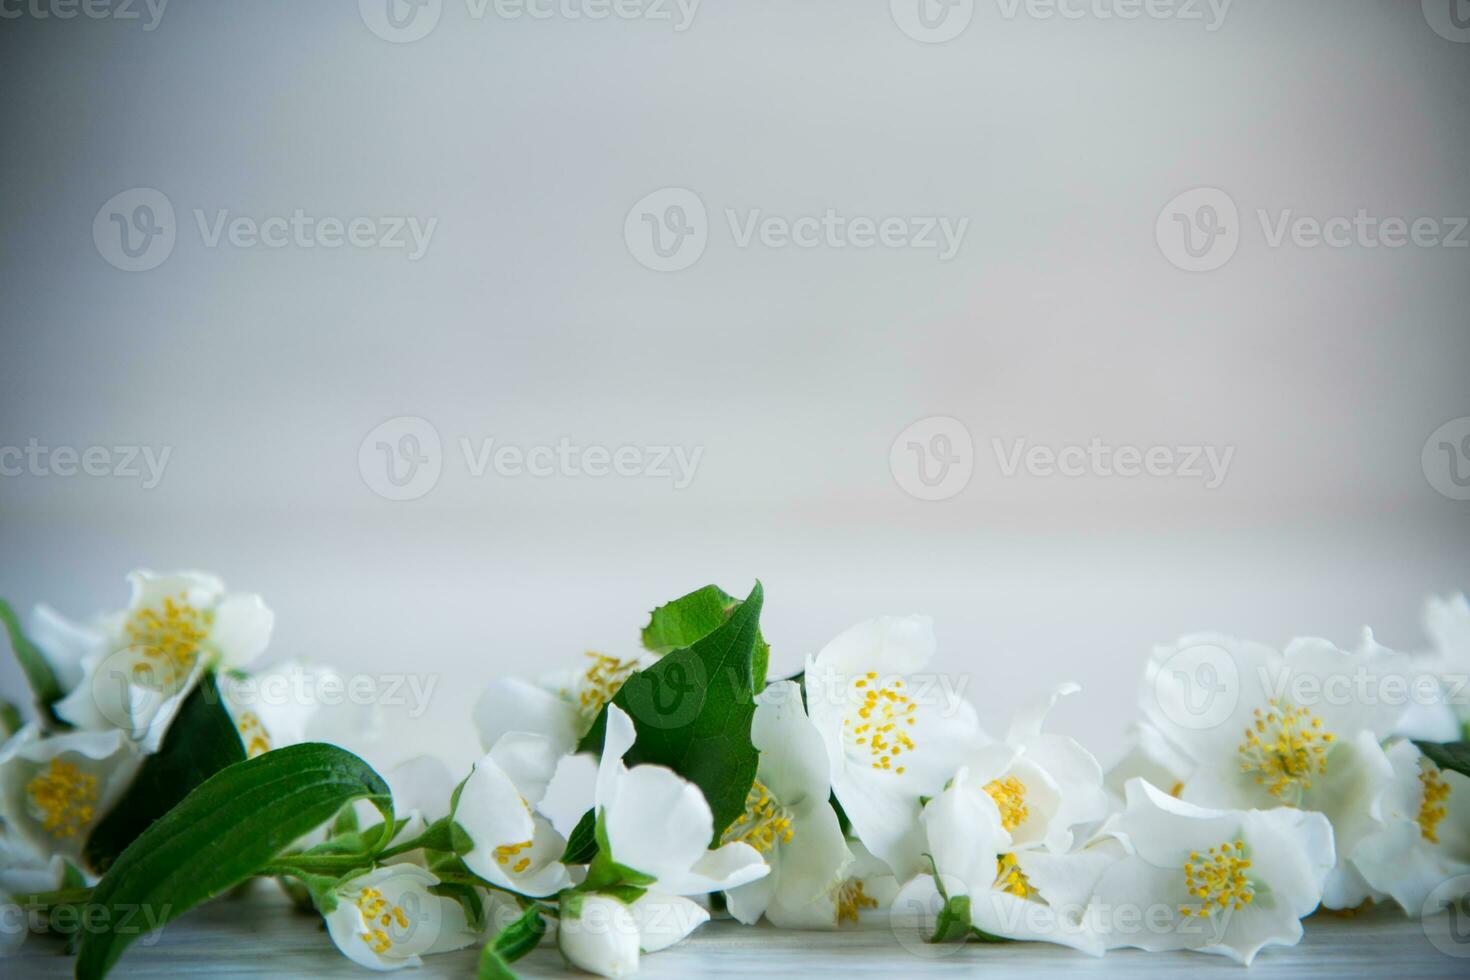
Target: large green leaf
<point>1454,756</point>
<point>42,680</point>
<point>692,712</point>
<point>229,827</point>
<point>688,619</point>
<point>200,742</point>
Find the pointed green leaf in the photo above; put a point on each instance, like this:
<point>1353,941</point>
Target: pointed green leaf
<point>582,841</point>
<point>42,680</point>
<point>682,623</point>
<point>1454,756</point>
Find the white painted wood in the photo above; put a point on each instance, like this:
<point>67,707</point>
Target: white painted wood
<point>259,936</point>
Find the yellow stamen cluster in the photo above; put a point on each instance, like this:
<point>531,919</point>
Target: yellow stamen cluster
<point>1218,879</point>
<point>1009,795</point>
<point>252,732</point>
<point>379,916</point>
<point>601,680</point>
<point>1284,748</point>
<point>881,715</point>
<point>852,900</point>
<point>1010,878</point>
<point>1432,810</point>
<point>169,639</point>
<point>64,797</point>
<point>763,824</point>
<point>508,855</point>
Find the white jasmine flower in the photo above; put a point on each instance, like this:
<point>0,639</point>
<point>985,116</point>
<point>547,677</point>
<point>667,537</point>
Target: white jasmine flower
<point>1426,836</point>
<point>891,737</point>
<point>515,847</point>
<point>561,705</point>
<point>54,790</point>
<point>1445,666</point>
<point>294,702</point>
<point>659,824</point>
<point>23,872</point>
<point>64,644</point>
<point>387,919</point>
<point>1303,730</point>
<point>607,937</point>
<point>150,655</point>
<point>787,815</point>
<point>1229,882</point>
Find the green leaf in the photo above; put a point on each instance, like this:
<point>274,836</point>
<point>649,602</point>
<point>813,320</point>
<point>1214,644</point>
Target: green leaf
<point>521,936</point>
<point>10,720</point>
<point>606,874</point>
<point>200,742</point>
<point>228,828</point>
<point>582,841</point>
<point>42,680</point>
<point>492,965</point>
<point>1454,756</point>
<point>954,920</point>
<point>692,712</point>
<point>682,623</point>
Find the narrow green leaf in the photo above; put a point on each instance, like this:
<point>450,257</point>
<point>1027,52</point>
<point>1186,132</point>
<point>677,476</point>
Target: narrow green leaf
<point>521,936</point>
<point>582,842</point>
<point>228,828</point>
<point>692,712</point>
<point>1454,756</point>
<point>492,965</point>
<point>42,680</point>
<point>200,742</point>
<point>10,719</point>
<point>682,623</point>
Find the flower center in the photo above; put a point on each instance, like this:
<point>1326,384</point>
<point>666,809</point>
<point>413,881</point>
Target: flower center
<point>1218,879</point>
<point>509,856</point>
<point>1284,748</point>
<point>851,900</point>
<point>1009,877</point>
<point>764,823</point>
<point>1009,795</point>
<point>876,729</point>
<point>169,638</point>
<point>379,915</point>
<point>601,680</point>
<point>1433,809</point>
<point>65,798</point>
<point>252,732</point>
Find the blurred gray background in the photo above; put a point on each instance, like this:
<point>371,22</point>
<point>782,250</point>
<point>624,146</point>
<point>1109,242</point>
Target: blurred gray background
<point>1063,317</point>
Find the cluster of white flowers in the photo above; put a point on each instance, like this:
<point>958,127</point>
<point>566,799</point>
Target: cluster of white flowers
<point>1260,785</point>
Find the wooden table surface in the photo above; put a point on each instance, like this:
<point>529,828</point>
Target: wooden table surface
<point>257,936</point>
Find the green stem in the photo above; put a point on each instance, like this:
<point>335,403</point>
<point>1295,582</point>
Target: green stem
<point>324,864</point>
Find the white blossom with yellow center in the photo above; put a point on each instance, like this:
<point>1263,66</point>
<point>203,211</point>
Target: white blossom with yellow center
<point>892,733</point>
<point>54,790</point>
<point>788,818</point>
<point>514,846</point>
<point>137,666</point>
<point>1229,882</point>
<point>387,919</point>
<point>1262,728</point>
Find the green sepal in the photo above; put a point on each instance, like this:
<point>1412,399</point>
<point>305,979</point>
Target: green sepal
<point>1454,756</point>
<point>45,688</point>
<point>582,841</point>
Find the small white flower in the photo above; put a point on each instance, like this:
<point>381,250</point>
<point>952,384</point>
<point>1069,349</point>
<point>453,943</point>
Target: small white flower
<point>660,825</point>
<point>890,739</point>
<point>787,815</point>
<point>1445,718</point>
<point>514,846</point>
<point>54,790</point>
<point>23,872</point>
<point>1426,836</point>
<point>1304,731</point>
<point>387,919</point>
<point>1229,882</point>
<point>602,937</point>
<point>561,705</point>
<point>148,657</point>
<point>296,702</point>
